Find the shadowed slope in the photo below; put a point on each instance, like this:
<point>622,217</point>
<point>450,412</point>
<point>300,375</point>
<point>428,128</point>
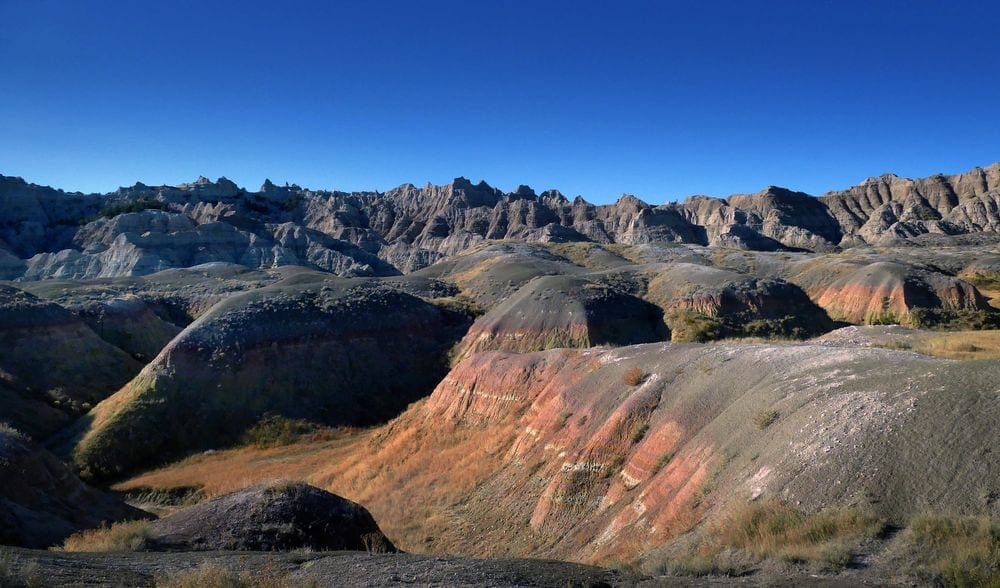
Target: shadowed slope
<point>52,365</point>
<point>42,502</point>
<point>337,352</point>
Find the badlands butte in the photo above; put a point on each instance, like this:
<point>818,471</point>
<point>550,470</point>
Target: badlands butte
<point>456,385</point>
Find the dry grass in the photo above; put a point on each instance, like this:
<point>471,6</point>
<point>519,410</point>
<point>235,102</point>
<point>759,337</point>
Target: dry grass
<point>127,536</point>
<point>772,530</point>
<point>274,431</point>
<point>634,377</point>
<point>765,418</point>
<point>962,345</point>
<point>378,468</point>
<point>215,576</point>
<point>13,574</point>
<point>955,551</point>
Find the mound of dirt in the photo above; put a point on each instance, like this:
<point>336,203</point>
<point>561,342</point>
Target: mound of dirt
<point>564,311</point>
<point>338,352</point>
<point>703,302</point>
<point>276,517</point>
<point>861,292</point>
<point>490,273</point>
<point>42,502</point>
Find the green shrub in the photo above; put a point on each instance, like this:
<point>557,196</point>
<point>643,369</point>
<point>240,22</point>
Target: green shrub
<point>113,210</point>
<point>689,326</point>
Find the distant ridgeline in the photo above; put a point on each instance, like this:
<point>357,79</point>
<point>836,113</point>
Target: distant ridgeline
<point>48,233</point>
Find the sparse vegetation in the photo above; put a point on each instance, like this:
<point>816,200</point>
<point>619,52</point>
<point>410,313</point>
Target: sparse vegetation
<point>126,536</point>
<point>14,575</point>
<point>113,210</point>
<point>374,543</point>
<point>215,576</point>
<point>765,418</point>
<point>689,326</point>
<point>640,433</point>
<point>634,377</point>
<point>751,533</point>
<point>6,429</point>
<point>664,460</point>
<point>274,431</point>
<point>954,551</point>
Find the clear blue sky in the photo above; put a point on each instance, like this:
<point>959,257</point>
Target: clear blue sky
<point>658,99</point>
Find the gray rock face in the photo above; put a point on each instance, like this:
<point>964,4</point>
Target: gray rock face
<point>42,502</point>
<point>408,228</point>
<point>270,518</point>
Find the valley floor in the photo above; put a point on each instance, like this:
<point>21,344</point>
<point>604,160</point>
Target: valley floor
<point>322,569</point>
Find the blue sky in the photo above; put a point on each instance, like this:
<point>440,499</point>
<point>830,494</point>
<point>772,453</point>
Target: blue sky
<point>657,99</point>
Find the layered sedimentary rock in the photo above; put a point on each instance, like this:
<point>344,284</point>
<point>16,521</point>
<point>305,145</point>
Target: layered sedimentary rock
<point>701,302</point>
<point>340,353</point>
<point>864,291</point>
<point>570,454</point>
<point>563,311</point>
<point>560,454</point>
<point>53,366</point>
<point>42,502</point>
<point>407,228</point>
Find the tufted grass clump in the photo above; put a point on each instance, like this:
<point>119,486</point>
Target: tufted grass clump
<point>634,377</point>
<point>125,536</point>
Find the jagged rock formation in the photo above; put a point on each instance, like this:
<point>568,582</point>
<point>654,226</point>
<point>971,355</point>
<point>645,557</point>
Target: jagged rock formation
<point>335,352</point>
<point>408,228</point>
<point>42,502</point>
<point>275,517</point>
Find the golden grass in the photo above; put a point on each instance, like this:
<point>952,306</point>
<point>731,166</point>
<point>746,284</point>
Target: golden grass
<point>212,575</point>
<point>772,530</point>
<point>961,345</point>
<point>127,536</point>
<point>379,468</point>
<point>955,551</point>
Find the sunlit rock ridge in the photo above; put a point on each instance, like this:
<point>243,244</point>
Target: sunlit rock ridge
<point>139,230</point>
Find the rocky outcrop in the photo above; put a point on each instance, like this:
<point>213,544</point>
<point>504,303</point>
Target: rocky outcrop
<point>888,207</point>
<point>339,353</point>
<point>275,517</point>
<point>42,502</point>
<point>408,228</point>
<point>141,243</point>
